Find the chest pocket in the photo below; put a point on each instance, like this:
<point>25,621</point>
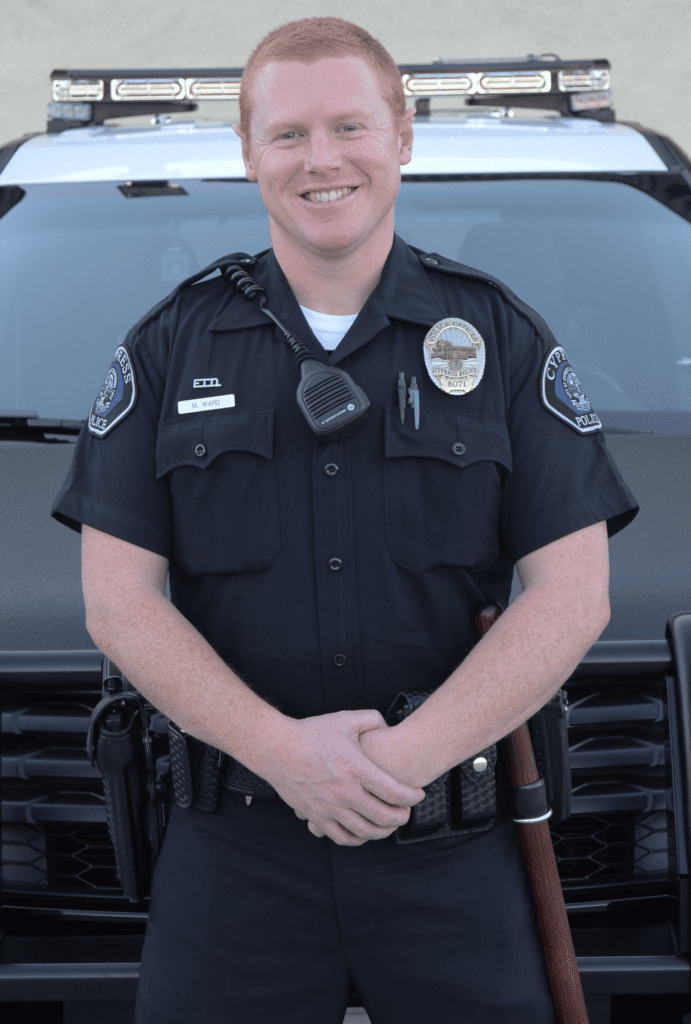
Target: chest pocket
<point>222,478</point>
<point>443,488</point>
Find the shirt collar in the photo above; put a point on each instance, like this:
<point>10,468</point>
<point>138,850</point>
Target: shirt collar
<point>404,288</point>
<point>404,293</point>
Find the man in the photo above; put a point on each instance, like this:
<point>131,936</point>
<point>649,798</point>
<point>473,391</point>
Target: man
<point>311,580</point>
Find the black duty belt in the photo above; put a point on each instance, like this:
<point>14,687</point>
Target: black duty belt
<point>462,801</point>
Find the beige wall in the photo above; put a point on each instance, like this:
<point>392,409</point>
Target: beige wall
<point>647,41</point>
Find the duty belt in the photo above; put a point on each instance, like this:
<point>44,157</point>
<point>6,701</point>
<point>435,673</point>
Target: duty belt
<point>462,801</point>
<point>121,742</point>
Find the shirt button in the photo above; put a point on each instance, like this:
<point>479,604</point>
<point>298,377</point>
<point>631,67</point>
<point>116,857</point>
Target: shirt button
<point>331,469</point>
<point>458,448</point>
<point>339,660</point>
<point>335,564</point>
<point>430,260</point>
<point>200,451</point>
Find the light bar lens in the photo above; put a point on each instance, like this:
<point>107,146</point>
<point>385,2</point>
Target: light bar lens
<point>80,90</point>
<point>69,111</point>
<point>439,85</point>
<point>475,83</point>
<point>580,81</point>
<point>529,81</point>
<point>590,100</point>
<point>147,89</point>
<point>212,88</point>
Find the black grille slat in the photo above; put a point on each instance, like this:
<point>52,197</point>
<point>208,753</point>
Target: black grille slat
<point>616,707</point>
<point>48,762</point>
<point>616,751</point>
<point>64,806</point>
<point>601,797</point>
<point>47,719</point>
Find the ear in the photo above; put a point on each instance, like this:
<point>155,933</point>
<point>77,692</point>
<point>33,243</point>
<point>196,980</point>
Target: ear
<point>250,173</point>
<point>405,133</point>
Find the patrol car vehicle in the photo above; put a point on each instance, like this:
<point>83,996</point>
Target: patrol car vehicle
<point>530,178</point>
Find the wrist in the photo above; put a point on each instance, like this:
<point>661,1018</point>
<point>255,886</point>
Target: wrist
<point>387,749</point>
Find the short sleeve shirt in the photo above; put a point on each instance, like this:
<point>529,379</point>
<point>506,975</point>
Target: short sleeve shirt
<point>333,575</point>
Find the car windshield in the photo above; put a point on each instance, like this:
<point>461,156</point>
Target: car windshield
<point>606,265</point>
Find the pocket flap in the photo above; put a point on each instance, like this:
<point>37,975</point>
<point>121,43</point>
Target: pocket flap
<point>459,438</point>
<point>197,439</point>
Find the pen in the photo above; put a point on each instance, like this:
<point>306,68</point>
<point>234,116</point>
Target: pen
<point>401,395</point>
<point>414,400</point>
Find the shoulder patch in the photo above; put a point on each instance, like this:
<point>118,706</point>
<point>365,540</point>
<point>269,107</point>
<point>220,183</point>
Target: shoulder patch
<point>117,395</point>
<point>562,394</point>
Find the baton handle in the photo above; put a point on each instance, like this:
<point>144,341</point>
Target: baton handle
<point>545,884</point>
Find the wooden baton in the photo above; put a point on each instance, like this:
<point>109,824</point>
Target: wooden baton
<point>518,756</point>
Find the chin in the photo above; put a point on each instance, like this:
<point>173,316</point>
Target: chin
<point>334,242</point>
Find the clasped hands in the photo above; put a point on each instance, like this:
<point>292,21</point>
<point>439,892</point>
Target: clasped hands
<point>380,747</point>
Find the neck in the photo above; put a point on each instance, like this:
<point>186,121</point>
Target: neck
<point>337,283</point>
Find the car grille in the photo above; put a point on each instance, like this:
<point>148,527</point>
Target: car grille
<point>623,839</point>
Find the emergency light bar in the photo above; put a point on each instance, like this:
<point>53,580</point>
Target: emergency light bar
<point>570,86</point>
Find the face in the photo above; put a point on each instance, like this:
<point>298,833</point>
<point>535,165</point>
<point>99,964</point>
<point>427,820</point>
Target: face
<point>327,150</point>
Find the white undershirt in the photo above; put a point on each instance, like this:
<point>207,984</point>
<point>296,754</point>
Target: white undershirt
<point>329,329</point>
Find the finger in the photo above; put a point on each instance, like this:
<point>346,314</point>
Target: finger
<point>377,814</point>
<point>364,828</point>
<point>303,817</point>
<point>387,789</point>
<point>338,833</point>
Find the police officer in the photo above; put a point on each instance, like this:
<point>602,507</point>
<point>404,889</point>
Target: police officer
<point>312,581</point>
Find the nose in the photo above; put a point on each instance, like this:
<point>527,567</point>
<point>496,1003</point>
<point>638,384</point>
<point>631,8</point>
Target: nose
<point>323,152</point>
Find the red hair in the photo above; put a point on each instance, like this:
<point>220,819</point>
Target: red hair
<point>311,39</point>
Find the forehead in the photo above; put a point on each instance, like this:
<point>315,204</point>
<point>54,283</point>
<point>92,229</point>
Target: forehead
<point>295,89</point>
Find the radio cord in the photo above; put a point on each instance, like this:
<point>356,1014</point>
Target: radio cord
<point>251,290</point>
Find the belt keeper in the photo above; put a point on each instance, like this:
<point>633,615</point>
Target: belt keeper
<point>528,804</point>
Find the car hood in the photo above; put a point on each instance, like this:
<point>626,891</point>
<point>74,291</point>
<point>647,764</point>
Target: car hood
<point>41,605</point>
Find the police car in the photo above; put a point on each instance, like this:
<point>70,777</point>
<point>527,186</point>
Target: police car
<point>530,178</point>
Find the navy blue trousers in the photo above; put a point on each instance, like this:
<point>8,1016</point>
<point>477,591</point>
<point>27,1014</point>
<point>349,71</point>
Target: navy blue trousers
<point>253,920</point>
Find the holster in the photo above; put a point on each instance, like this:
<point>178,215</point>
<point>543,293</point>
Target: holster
<point>119,744</point>
<point>463,800</point>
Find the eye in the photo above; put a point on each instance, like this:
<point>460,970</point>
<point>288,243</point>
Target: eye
<point>288,136</point>
<point>349,127</point>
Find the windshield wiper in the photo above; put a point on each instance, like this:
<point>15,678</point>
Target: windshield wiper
<point>26,425</point>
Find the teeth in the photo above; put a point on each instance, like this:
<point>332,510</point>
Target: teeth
<point>328,197</point>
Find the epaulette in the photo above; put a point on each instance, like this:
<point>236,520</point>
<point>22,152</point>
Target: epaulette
<point>433,261</point>
<point>224,261</point>
<point>447,266</point>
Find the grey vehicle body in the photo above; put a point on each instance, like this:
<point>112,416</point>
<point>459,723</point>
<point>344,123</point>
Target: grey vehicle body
<point>586,219</point>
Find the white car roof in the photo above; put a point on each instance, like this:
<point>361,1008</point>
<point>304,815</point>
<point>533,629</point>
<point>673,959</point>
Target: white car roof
<point>443,145</point>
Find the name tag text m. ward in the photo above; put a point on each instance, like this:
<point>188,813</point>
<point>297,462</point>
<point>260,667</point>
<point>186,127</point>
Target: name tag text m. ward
<point>206,404</point>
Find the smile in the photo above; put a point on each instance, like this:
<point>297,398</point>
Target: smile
<point>329,196</point>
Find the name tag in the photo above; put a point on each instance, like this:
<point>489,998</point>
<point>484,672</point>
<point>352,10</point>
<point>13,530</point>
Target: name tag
<point>206,404</point>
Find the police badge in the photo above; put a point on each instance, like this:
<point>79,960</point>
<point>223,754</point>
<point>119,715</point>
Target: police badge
<point>563,395</point>
<point>116,397</point>
<point>454,355</point>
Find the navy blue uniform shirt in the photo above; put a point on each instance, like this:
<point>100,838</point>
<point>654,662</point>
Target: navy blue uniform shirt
<point>332,576</point>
